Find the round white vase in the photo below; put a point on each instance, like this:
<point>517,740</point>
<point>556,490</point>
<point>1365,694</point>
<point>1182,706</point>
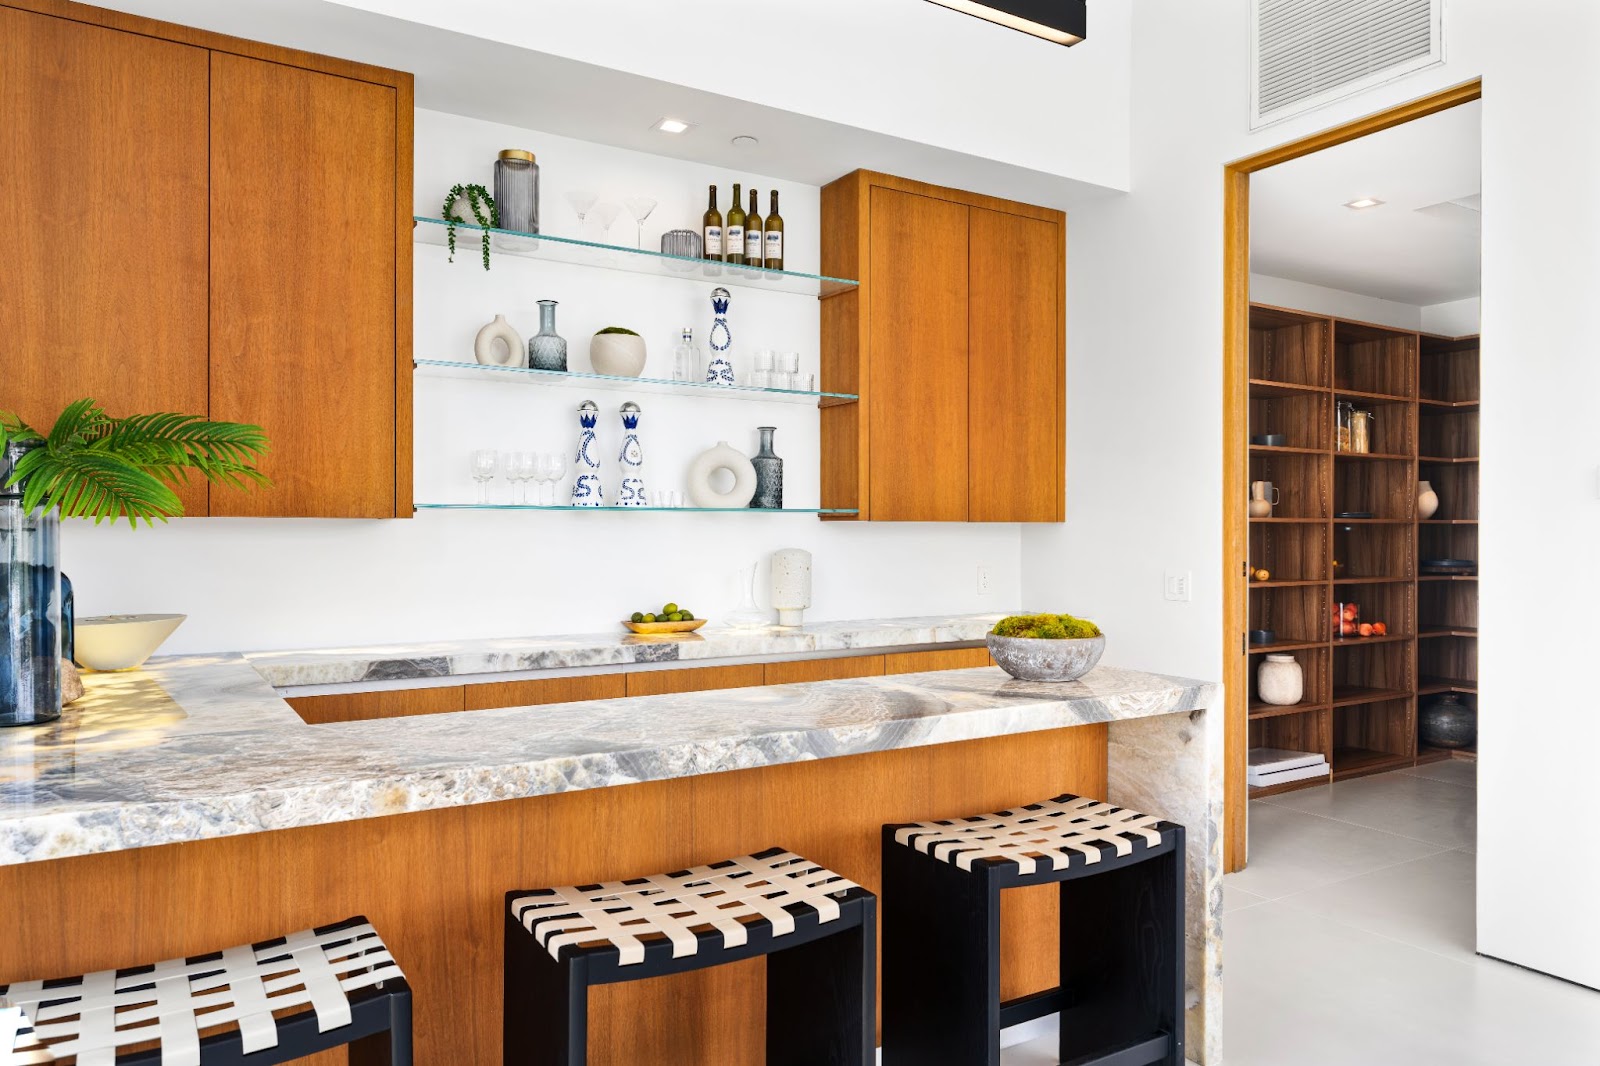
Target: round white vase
<point>1280,681</point>
<point>1427,501</point>
<point>497,344</point>
<point>723,457</point>
<point>618,355</point>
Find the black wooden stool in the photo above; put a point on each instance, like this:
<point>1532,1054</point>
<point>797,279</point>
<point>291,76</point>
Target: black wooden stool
<point>344,979</point>
<point>816,929</point>
<point>1121,996</point>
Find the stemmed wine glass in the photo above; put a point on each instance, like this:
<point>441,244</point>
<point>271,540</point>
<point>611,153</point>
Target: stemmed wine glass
<point>582,200</point>
<point>640,207</point>
<point>526,465</point>
<point>485,464</point>
<point>606,214</point>
<point>555,470</point>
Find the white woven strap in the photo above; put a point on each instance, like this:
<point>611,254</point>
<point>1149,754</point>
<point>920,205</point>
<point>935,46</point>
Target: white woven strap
<point>95,1015</point>
<point>1055,831</point>
<point>675,905</point>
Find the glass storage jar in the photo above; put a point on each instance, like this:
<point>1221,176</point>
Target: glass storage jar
<point>516,190</point>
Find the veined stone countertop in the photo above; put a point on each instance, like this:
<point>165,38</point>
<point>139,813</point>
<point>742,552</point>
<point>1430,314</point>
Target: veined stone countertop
<point>451,658</point>
<point>190,748</point>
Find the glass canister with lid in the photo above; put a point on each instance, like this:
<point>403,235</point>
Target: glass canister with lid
<point>1361,427</point>
<point>516,190</point>
<point>1344,412</point>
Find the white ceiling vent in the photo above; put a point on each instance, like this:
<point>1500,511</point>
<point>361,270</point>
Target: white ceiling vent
<point>1306,53</point>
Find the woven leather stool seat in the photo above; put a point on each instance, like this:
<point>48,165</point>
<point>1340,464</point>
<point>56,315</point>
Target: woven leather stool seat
<point>339,982</point>
<point>1056,833</point>
<point>815,928</point>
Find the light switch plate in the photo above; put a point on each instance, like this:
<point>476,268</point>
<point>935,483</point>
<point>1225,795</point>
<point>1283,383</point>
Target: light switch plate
<point>1180,585</point>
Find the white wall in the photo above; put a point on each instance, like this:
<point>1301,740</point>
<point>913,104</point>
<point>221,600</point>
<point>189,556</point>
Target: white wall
<point>1145,391</point>
<point>1319,299</point>
<point>255,584</point>
<point>1457,318</point>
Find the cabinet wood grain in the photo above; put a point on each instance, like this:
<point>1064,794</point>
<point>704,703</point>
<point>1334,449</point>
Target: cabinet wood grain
<point>916,662</point>
<point>103,141</point>
<point>390,703</point>
<point>538,691</point>
<point>694,679</point>
<point>824,669</point>
<point>1015,373</point>
<point>303,300</point>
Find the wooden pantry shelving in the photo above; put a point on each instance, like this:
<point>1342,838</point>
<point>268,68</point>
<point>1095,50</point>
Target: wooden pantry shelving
<point>1361,693</point>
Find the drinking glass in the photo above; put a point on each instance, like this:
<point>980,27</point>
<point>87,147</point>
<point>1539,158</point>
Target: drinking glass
<point>527,469</point>
<point>788,362</point>
<point>485,463</point>
<point>606,214</point>
<point>581,200</point>
<point>640,207</point>
<point>557,472</point>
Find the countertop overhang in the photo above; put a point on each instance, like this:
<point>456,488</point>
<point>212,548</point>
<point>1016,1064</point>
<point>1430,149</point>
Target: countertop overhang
<point>192,748</point>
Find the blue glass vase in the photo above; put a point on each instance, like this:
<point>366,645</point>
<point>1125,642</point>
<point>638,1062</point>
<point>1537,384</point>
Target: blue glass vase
<point>30,605</point>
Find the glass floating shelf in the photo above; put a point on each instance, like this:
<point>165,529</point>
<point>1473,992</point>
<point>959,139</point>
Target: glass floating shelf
<point>569,507</point>
<point>577,379</point>
<point>615,257</point>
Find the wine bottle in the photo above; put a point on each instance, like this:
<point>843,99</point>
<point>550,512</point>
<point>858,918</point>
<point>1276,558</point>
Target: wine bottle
<point>711,230</point>
<point>733,235</point>
<point>753,254</point>
<point>773,235</point>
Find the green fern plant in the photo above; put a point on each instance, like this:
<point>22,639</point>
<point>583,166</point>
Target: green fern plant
<point>91,465</point>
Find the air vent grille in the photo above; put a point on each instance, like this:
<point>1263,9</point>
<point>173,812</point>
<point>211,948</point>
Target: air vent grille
<point>1309,52</point>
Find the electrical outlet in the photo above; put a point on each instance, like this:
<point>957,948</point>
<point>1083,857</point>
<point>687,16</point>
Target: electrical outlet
<point>1180,585</point>
<point>983,581</point>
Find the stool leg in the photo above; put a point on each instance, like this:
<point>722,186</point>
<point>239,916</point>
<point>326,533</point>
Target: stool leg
<point>1122,950</point>
<point>941,962</point>
<point>546,1006</point>
<point>822,998</point>
<point>391,1047</point>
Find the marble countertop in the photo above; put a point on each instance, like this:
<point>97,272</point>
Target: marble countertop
<point>396,662</point>
<point>190,748</point>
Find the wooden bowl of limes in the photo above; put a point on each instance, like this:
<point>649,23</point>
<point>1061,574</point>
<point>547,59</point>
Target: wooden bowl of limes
<point>670,619</point>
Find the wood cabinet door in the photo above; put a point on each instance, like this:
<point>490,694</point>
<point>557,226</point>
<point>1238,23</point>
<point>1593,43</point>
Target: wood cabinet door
<point>789,673</point>
<point>387,703</point>
<point>695,679</point>
<point>917,400</point>
<point>103,182</point>
<point>303,284</point>
<point>918,662</point>
<point>1016,375</point>
<point>534,692</point>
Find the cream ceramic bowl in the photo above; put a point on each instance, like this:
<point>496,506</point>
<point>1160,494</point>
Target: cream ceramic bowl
<point>121,641</point>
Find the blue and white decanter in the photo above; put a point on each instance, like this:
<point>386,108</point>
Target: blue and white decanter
<point>719,371</point>
<point>586,485</point>
<point>632,459</point>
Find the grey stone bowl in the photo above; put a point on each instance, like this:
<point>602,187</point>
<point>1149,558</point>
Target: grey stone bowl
<point>1032,659</point>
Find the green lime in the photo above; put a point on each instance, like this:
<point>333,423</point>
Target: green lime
<point>675,616</point>
<point>670,608</point>
<point>638,616</point>
<point>648,618</point>
<point>687,616</point>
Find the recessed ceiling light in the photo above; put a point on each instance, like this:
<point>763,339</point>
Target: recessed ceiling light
<point>672,125</point>
<point>744,140</point>
<point>1364,203</point>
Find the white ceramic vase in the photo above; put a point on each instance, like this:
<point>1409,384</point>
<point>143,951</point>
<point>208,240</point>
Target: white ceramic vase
<point>1427,501</point>
<point>498,344</point>
<point>619,355</point>
<point>791,584</point>
<point>1280,681</point>
<point>723,457</point>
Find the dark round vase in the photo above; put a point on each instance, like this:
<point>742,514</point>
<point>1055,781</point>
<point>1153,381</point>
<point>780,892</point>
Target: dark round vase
<point>1447,721</point>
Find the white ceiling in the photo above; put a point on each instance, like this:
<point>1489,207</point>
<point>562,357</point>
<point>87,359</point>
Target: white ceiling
<point>1421,246</point>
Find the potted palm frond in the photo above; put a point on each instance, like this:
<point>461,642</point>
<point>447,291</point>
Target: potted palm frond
<point>89,465</point>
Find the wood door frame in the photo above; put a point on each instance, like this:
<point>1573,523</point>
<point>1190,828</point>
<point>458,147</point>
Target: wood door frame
<point>1236,421</point>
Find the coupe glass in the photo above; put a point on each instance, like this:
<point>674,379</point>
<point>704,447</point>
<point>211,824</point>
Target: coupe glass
<point>640,207</point>
<point>606,214</point>
<point>582,200</point>
<point>485,464</point>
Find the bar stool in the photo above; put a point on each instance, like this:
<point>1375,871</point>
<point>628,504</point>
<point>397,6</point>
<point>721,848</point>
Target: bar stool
<point>816,929</point>
<point>342,975</point>
<point>1121,996</point>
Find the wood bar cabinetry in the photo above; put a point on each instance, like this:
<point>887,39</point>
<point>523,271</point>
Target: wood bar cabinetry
<point>955,343</point>
<point>175,250</point>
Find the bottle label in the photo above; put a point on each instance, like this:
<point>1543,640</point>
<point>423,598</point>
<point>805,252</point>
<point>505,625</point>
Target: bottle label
<point>735,240</point>
<point>713,240</point>
<point>752,246</point>
<point>774,244</point>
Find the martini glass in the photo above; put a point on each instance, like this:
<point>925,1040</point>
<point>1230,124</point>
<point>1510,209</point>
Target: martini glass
<point>606,214</point>
<point>582,201</point>
<point>640,207</point>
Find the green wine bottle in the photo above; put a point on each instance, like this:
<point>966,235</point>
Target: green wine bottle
<point>733,233</point>
<point>711,229</point>
<point>753,254</point>
<point>773,236</point>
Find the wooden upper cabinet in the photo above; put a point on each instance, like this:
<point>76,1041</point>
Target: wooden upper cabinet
<point>103,141</point>
<point>1015,377</point>
<point>303,284</point>
<point>955,342</point>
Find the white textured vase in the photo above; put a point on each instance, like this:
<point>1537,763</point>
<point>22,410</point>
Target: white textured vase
<point>1280,681</point>
<point>1427,501</point>
<point>723,457</point>
<point>791,584</point>
<point>618,355</point>
<point>497,344</point>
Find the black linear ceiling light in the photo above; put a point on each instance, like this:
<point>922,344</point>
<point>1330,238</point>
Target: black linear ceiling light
<point>1061,21</point>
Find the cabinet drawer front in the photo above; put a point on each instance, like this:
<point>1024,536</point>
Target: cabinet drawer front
<point>303,283</point>
<point>916,662</point>
<point>697,679</point>
<point>391,703</point>
<point>918,360</point>
<point>538,691</point>
<point>824,669</point>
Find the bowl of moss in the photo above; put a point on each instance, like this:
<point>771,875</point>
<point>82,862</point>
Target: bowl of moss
<point>1046,647</point>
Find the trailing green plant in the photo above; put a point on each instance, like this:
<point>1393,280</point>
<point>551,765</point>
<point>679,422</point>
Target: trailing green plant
<point>91,465</point>
<point>479,200</point>
<point>624,330</point>
<point>1046,627</point>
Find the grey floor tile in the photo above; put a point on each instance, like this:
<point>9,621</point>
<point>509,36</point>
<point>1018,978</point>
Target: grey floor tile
<point>1291,851</point>
<point>1428,903</point>
<point>1450,771</point>
<point>1442,814</point>
<point>1235,898</point>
